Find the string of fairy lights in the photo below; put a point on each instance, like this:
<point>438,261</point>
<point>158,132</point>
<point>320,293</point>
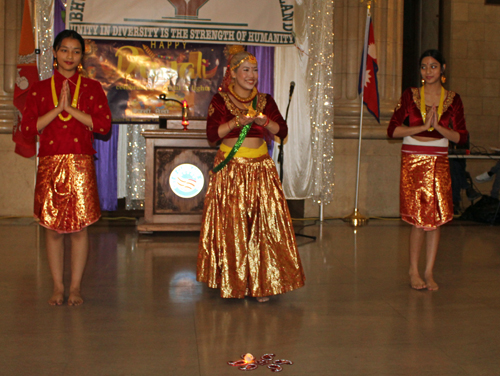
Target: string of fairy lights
<point>136,166</point>
<point>320,78</point>
<point>45,32</point>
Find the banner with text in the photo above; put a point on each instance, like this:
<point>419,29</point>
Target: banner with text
<point>256,22</point>
<point>135,74</point>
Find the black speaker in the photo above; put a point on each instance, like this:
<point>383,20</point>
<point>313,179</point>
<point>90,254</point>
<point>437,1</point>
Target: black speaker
<point>486,210</point>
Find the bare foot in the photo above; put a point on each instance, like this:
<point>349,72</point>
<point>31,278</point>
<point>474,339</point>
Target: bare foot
<point>75,298</point>
<point>263,299</point>
<point>430,283</point>
<point>57,298</point>
<point>416,282</point>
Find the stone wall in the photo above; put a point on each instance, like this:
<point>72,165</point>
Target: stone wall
<point>378,182</point>
<point>472,50</point>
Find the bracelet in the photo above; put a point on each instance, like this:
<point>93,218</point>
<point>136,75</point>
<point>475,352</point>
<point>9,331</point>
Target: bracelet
<point>229,126</point>
<point>237,121</point>
<point>266,123</point>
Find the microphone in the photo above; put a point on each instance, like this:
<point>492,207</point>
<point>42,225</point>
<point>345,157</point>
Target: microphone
<point>292,87</point>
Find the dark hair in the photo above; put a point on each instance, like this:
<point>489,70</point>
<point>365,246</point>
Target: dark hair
<point>435,54</point>
<point>68,34</point>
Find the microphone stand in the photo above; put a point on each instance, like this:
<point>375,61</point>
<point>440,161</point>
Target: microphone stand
<point>280,147</point>
<point>281,160</point>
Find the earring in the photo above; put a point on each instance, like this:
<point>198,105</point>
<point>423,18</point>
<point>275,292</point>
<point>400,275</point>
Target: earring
<point>443,79</point>
<point>80,68</point>
<point>423,82</point>
<point>54,64</point>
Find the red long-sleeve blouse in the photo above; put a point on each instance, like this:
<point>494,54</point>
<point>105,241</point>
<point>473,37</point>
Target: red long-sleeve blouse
<point>222,109</point>
<point>409,105</point>
<point>66,137</point>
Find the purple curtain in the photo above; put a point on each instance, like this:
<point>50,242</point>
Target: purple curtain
<point>265,60</point>
<point>59,12</point>
<point>106,168</point>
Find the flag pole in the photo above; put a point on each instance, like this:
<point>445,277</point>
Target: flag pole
<point>356,219</point>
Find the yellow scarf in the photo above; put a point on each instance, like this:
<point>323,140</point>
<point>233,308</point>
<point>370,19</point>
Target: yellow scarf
<point>423,109</point>
<point>74,102</point>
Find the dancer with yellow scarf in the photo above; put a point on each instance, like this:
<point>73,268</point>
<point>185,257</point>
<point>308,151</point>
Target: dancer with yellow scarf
<point>436,116</point>
<point>64,111</point>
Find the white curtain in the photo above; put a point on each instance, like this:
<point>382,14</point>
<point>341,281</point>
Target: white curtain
<point>291,65</point>
<point>122,161</point>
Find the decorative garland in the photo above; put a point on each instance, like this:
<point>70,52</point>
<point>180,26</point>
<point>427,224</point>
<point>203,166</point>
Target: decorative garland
<point>238,143</point>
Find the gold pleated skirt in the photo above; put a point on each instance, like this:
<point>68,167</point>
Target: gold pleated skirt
<point>425,191</point>
<point>247,242</point>
<point>66,198</point>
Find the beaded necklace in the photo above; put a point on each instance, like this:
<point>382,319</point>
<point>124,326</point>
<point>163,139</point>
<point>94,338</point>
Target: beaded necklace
<point>423,109</point>
<point>241,99</point>
<point>74,102</point>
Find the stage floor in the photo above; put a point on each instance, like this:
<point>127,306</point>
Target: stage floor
<point>145,314</point>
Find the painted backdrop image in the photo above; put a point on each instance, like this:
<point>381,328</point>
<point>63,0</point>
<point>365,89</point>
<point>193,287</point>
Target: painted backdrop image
<point>135,73</point>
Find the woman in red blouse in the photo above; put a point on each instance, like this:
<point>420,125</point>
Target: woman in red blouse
<point>64,111</point>
<point>247,242</point>
<point>436,116</point>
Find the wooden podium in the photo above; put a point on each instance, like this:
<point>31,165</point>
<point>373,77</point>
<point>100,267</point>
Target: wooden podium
<point>177,171</point>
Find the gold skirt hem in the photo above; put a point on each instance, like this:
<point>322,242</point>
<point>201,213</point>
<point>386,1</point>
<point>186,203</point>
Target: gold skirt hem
<point>247,241</point>
<point>248,293</point>
<point>68,231</point>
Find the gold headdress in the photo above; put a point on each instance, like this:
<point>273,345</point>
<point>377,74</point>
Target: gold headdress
<point>232,49</point>
<point>249,57</point>
<point>229,51</point>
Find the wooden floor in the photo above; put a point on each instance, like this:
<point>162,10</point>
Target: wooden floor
<point>145,314</point>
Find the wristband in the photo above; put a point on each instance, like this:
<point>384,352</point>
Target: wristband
<point>266,123</point>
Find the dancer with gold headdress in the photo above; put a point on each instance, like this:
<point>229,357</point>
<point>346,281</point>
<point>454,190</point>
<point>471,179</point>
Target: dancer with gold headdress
<point>64,111</point>
<point>436,117</point>
<point>247,242</point>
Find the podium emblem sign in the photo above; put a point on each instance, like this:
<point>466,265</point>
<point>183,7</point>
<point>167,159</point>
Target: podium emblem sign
<point>186,180</point>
